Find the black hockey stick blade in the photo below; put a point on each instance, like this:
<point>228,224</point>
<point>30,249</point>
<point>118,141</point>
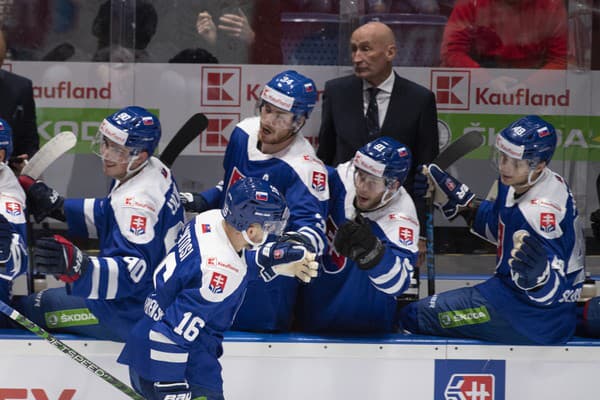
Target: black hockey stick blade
<point>458,149</point>
<point>184,136</point>
<point>454,152</point>
<point>69,351</point>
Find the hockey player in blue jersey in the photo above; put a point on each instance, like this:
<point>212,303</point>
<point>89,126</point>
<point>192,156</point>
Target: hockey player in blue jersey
<point>271,146</point>
<point>531,298</point>
<point>173,351</point>
<point>13,249</point>
<point>136,224</point>
<point>373,231</point>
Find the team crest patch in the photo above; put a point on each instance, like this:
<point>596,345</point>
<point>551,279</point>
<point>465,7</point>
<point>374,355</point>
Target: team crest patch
<point>547,222</point>
<point>217,283</point>
<point>450,184</point>
<point>406,236</point>
<point>205,228</point>
<point>137,225</point>
<point>13,208</point>
<point>319,181</point>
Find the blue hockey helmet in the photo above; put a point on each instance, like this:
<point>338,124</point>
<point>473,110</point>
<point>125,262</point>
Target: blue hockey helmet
<point>384,157</point>
<point>255,201</point>
<point>529,138</point>
<point>6,142</point>
<point>292,92</point>
<point>133,127</point>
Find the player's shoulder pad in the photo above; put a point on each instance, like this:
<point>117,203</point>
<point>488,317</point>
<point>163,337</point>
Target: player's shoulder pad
<point>12,198</point>
<point>313,173</point>
<point>399,222</point>
<point>223,270</point>
<point>545,205</point>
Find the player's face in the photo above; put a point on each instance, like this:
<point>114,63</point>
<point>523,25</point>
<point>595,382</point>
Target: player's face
<point>513,172</point>
<point>371,55</point>
<point>276,126</point>
<point>369,189</point>
<point>115,158</point>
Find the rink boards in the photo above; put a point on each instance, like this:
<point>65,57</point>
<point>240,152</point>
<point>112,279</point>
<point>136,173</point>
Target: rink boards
<point>286,366</point>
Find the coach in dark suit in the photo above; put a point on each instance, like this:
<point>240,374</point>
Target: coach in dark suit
<point>17,107</point>
<point>352,116</point>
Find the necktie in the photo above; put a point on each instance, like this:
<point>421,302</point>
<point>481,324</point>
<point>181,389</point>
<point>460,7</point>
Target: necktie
<point>373,112</point>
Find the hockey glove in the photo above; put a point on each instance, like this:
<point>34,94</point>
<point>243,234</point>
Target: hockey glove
<point>58,256</point>
<point>6,232</point>
<point>42,200</point>
<point>529,266</point>
<point>296,237</point>
<point>595,218</point>
<point>450,196</point>
<point>194,202</point>
<point>172,391</point>
<point>287,259</point>
<point>356,241</point>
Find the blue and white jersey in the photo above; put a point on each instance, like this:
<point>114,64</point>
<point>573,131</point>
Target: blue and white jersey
<point>548,212</point>
<point>136,224</point>
<point>12,207</point>
<point>302,179</point>
<point>345,298</point>
<point>199,287</point>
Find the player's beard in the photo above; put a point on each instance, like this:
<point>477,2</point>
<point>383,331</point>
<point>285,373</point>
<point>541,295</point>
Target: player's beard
<point>273,137</point>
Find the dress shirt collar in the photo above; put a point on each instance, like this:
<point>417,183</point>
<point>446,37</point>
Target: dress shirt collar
<point>386,86</point>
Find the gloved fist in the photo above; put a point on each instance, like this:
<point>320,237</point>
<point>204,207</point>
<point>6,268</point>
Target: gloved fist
<point>450,195</point>
<point>529,266</point>
<point>172,391</point>
<point>6,233</point>
<point>193,202</point>
<point>296,237</point>
<point>356,241</point>
<point>287,259</point>
<point>42,200</point>
<point>595,218</point>
<point>58,256</point>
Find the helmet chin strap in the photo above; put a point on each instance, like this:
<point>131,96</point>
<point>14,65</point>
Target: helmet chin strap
<point>253,244</point>
<point>529,181</point>
<point>132,171</point>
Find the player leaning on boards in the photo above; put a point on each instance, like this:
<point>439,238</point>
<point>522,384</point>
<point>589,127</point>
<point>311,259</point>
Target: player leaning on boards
<point>13,238</point>
<point>531,298</point>
<point>271,146</point>
<point>135,224</point>
<point>173,351</point>
<point>374,226</point>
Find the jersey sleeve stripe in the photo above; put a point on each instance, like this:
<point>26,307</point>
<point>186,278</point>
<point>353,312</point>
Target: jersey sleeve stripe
<point>314,237</point>
<point>395,270</point>
<point>179,358</point>
<point>113,278</point>
<point>94,291</point>
<point>159,337</point>
<point>88,210</point>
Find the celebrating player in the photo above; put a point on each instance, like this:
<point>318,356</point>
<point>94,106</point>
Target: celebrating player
<point>136,224</point>
<point>271,147</point>
<point>531,298</point>
<point>375,230</point>
<point>173,351</point>
<point>13,250</point>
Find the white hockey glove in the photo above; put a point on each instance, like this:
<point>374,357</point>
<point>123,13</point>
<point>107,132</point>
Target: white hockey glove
<point>287,259</point>
<point>529,266</point>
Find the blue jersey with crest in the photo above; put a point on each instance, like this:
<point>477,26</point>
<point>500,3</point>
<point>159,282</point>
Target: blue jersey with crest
<point>345,298</point>
<point>199,287</point>
<point>547,211</point>
<point>136,224</point>
<point>302,179</point>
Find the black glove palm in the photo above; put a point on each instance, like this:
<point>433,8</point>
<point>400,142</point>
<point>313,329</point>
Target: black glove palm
<point>356,240</point>
<point>194,202</point>
<point>6,232</point>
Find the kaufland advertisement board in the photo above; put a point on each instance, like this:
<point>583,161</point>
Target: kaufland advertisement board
<point>76,96</point>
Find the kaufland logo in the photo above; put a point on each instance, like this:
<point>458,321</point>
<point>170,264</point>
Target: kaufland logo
<point>215,138</point>
<point>451,89</point>
<point>221,86</point>
<point>470,379</point>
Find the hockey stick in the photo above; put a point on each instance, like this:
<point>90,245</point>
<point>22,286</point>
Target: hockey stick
<point>188,132</point>
<point>69,351</point>
<point>454,152</point>
<point>48,153</point>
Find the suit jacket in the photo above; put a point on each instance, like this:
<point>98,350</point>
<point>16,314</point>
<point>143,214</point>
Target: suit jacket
<point>411,118</point>
<point>17,107</point>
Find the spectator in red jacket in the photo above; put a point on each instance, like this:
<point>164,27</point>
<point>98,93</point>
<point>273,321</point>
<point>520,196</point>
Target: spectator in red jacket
<point>506,34</point>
